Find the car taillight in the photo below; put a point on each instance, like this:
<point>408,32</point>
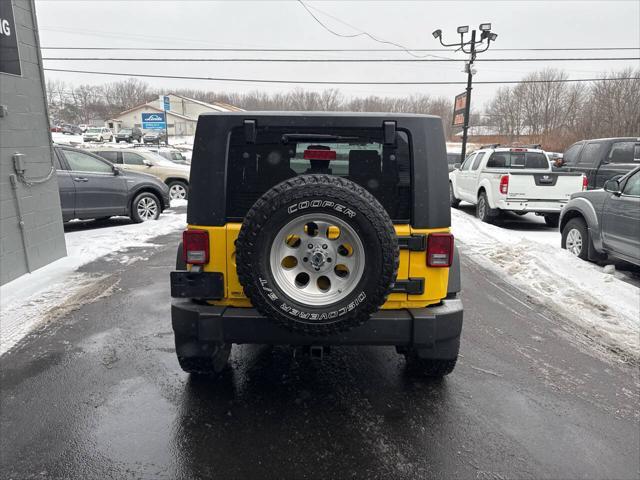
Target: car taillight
<point>195,247</point>
<point>585,183</point>
<point>439,250</point>
<point>504,184</point>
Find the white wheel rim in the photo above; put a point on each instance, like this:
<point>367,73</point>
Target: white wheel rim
<point>147,208</point>
<point>177,192</point>
<point>574,241</point>
<point>330,273</point>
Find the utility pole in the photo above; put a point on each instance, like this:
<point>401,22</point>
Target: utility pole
<point>487,35</point>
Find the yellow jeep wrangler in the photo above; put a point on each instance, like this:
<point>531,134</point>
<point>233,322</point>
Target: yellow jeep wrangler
<point>318,229</point>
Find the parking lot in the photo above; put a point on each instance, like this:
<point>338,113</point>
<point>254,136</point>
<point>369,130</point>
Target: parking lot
<point>104,377</point>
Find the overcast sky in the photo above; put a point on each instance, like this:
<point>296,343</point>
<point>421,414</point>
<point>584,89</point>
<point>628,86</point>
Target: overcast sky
<point>286,24</point>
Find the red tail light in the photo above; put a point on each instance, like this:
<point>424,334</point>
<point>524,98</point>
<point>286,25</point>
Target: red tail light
<point>195,247</point>
<point>504,184</point>
<point>320,154</point>
<point>585,183</point>
<point>439,250</point>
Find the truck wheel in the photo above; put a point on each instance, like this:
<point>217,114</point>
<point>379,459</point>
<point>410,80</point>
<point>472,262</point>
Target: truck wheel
<point>552,220</point>
<point>144,207</point>
<point>453,201</point>
<point>428,367</point>
<point>484,212</point>
<point>210,365</point>
<point>575,238</point>
<point>317,254</point>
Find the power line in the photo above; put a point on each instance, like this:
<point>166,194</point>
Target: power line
<point>361,32</point>
<point>330,50</point>
<point>329,82</point>
<point>338,60</point>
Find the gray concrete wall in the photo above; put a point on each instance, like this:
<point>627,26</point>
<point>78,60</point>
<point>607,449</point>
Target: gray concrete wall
<point>25,129</point>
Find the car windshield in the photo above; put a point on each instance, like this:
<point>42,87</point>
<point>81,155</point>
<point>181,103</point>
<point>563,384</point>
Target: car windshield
<point>93,130</point>
<point>126,130</point>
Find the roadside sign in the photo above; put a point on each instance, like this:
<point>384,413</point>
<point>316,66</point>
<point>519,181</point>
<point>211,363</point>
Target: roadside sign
<point>459,107</point>
<point>153,121</point>
<point>167,103</point>
<point>9,54</point>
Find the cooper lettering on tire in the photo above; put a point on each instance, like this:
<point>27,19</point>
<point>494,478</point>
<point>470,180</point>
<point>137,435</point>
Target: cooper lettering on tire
<point>317,254</point>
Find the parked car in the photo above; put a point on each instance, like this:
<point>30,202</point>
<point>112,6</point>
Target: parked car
<point>91,187</point>
<point>56,129</point>
<point>300,238</point>
<point>129,135</point>
<point>176,177</point>
<point>173,155</point>
<point>513,179</point>
<point>605,221</point>
<point>603,158</point>
<point>69,129</point>
<point>97,134</point>
<point>453,159</point>
<point>155,136</point>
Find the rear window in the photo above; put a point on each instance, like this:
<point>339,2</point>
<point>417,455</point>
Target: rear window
<point>357,154</point>
<point>518,160</point>
<point>624,152</point>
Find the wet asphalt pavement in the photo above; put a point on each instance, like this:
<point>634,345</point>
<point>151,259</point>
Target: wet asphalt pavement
<point>98,394</point>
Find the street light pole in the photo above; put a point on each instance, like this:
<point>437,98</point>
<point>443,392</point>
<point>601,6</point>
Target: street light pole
<point>487,35</point>
<point>467,107</point>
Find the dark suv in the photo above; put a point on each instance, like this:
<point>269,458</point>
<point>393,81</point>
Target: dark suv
<point>318,229</point>
<point>129,135</point>
<point>603,158</point>
<point>92,187</point>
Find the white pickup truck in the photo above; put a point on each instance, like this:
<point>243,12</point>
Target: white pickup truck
<point>515,179</point>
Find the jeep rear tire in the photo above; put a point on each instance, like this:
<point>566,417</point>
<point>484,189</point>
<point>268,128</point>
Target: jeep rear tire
<point>428,367</point>
<point>210,365</point>
<point>317,254</point>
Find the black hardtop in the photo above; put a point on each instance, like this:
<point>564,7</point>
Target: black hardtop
<point>429,168</point>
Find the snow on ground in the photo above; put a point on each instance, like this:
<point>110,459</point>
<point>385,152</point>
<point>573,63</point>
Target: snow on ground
<point>62,139</point>
<point>50,291</point>
<point>529,256</point>
<point>179,202</point>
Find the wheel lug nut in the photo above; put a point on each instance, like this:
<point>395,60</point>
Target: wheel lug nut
<point>310,245</point>
<point>305,259</point>
<point>328,260</point>
<point>324,246</point>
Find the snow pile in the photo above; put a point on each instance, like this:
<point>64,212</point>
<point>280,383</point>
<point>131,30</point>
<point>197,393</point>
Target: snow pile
<point>58,288</point>
<point>62,139</point>
<point>606,307</point>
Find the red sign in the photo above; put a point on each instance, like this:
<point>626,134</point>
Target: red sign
<point>459,108</point>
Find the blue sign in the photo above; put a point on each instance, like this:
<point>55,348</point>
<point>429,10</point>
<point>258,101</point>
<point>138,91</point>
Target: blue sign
<point>153,121</point>
<point>167,104</point>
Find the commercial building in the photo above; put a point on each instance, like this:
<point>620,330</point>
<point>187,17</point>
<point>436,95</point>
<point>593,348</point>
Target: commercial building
<point>31,233</point>
<point>182,116</point>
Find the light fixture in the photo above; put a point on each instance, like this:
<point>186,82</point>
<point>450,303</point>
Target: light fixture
<point>463,29</point>
<point>437,33</point>
<point>485,26</point>
<point>493,37</point>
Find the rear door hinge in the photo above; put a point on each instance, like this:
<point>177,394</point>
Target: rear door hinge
<point>411,286</point>
<point>413,243</point>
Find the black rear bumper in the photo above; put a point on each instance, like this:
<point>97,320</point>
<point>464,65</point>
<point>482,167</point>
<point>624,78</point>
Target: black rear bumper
<point>434,331</point>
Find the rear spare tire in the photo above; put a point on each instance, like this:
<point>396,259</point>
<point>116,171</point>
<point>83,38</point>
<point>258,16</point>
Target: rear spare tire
<point>317,254</point>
